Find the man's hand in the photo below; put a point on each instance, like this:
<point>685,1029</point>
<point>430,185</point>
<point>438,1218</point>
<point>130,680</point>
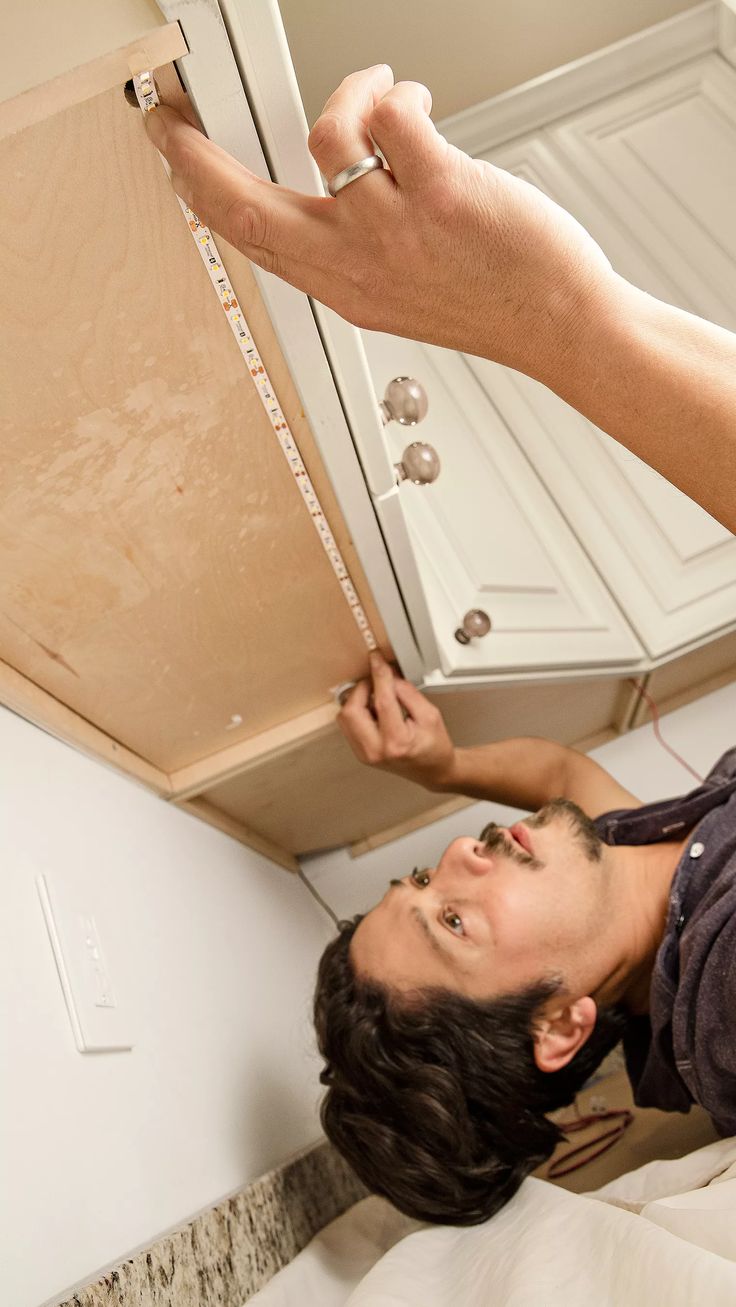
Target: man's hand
<point>441,248</point>
<point>389,724</point>
<point>451,250</point>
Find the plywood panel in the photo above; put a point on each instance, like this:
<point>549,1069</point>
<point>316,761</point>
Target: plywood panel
<point>318,796</point>
<point>159,573</point>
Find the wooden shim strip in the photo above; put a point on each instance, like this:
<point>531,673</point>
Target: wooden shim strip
<point>446,809</point>
<point>30,701</point>
<point>159,46</point>
<point>202,775</point>
<point>216,817</point>
<point>411,824</point>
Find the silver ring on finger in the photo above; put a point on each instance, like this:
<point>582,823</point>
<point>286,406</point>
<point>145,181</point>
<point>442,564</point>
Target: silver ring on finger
<point>356,170</point>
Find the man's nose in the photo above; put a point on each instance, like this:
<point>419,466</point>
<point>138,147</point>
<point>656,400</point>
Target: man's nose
<point>466,855</point>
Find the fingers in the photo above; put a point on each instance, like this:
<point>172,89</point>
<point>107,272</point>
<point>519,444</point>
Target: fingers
<point>358,724</point>
<point>372,718</point>
<point>259,218</point>
<point>403,130</point>
<point>367,107</point>
<point>417,706</point>
<point>340,135</point>
<point>386,703</point>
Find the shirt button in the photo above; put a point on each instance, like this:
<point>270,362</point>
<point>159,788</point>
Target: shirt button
<point>696,849</point>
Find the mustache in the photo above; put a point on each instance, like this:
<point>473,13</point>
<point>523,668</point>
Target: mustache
<point>582,827</point>
<point>495,841</point>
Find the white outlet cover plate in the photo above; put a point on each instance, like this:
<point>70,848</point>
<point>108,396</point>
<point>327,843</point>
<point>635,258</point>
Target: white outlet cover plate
<point>99,1022</point>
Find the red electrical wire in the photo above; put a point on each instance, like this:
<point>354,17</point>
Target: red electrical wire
<point>623,1116</point>
<point>658,734</point>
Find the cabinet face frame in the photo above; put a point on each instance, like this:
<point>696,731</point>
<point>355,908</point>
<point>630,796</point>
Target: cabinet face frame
<point>214,75</point>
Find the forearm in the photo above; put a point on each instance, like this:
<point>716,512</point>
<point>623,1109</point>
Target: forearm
<point>663,383</point>
<point>523,773</point>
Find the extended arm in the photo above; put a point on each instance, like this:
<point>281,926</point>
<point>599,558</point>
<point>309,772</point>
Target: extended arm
<point>451,250</point>
<point>390,724</point>
<point>663,383</point>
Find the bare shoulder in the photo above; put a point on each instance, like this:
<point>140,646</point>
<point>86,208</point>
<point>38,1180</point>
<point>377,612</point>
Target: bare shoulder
<point>593,788</point>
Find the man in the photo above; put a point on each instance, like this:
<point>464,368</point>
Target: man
<point>481,993</point>
<point>451,250</point>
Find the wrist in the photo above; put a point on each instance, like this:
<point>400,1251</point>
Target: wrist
<point>447,778</point>
<point>582,319</point>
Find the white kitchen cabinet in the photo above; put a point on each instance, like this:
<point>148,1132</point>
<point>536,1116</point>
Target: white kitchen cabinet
<point>486,534</point>
<point>651,173</point>
<point>669,567</point>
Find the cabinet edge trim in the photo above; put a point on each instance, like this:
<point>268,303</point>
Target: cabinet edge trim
<point>162,45</point>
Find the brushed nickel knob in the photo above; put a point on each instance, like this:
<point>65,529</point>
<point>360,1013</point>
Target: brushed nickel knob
<point>420,463</point>
<point>476,623</point>
<point>404,401</point>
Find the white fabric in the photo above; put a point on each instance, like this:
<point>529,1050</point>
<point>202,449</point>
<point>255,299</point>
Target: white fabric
<point>329,1268</point>
<point>664,1233</point>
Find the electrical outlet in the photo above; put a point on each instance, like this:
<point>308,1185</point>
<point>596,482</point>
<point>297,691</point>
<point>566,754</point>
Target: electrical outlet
<point>99,1023</point>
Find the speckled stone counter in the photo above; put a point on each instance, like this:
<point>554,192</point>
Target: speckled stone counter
<point>229,1252</point>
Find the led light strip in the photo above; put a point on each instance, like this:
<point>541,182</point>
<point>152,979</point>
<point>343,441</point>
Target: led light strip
<point>148,99</point>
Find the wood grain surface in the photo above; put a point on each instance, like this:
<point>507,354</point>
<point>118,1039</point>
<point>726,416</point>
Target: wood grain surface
<point>159,572</point>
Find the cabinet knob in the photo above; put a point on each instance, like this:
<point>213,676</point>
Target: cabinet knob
<point>419,463</point>
<point>404,401</point>
<point>475,624</point>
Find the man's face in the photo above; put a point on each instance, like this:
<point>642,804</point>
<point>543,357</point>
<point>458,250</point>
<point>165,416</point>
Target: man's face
<point>497,913</point>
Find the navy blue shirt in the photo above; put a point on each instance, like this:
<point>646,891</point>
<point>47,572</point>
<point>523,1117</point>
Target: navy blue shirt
<point>684,1050</point>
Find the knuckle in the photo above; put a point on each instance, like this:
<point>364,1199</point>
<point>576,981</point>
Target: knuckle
<point>182,158</point>
<point>388,114</point>
<point>271,262</point>
<point>326,133</point>
<point>382,697</point>
<point>246,224</point>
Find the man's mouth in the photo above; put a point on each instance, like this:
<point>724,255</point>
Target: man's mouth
<point>520,835</point>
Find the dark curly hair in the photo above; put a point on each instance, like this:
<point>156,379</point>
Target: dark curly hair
<point>439,1105</point>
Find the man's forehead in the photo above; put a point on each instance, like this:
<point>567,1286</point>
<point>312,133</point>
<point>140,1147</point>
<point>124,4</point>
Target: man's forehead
<point>386,946</point>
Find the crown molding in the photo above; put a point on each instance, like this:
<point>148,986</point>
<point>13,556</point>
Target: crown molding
<point>575,85</point>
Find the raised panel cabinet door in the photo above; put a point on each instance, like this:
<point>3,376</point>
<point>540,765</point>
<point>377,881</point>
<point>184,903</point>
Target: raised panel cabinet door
<point>486,535</point>
<point>651,173</point>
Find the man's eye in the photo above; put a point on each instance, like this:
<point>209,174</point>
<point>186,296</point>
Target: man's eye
<point>454,922</point>
<point>420,876</point>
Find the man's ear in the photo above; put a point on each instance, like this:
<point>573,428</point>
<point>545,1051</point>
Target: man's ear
<point>561,1032</point>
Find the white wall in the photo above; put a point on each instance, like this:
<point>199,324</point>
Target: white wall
<point>464,52</point>
<point>700,732</point>
<point>212,948</point>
